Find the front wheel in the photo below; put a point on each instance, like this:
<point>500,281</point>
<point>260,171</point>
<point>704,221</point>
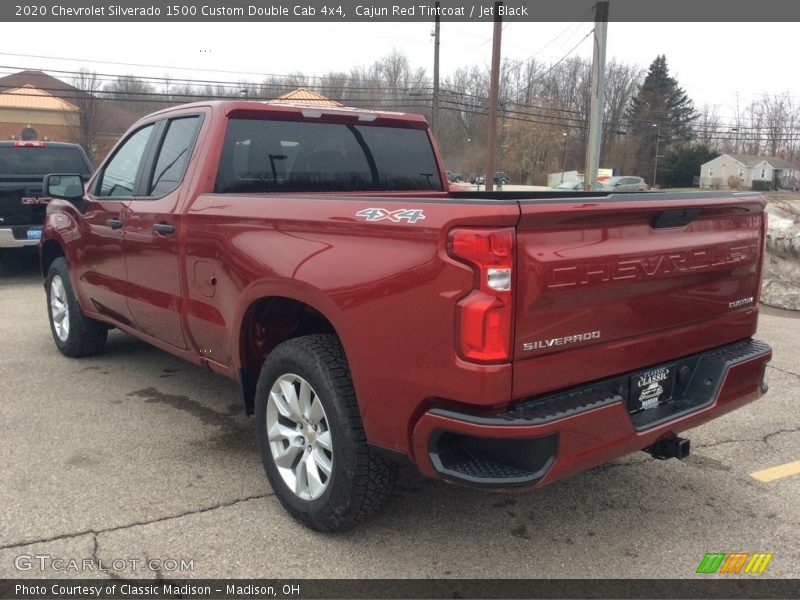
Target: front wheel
<point>311,439</point>
<point>75,334</point>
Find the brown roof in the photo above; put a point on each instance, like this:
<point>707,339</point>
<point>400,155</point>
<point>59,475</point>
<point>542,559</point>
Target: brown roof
<point>115,118</point>
<point>302,96</point>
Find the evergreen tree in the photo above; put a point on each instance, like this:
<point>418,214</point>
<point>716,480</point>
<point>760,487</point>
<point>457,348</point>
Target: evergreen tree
<point>660,110</point>
<point>682,165</point>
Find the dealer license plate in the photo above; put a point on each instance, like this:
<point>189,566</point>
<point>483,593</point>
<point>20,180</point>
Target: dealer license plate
<point>650,388</point>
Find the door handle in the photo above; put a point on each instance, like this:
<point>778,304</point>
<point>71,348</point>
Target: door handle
<point>114,223</point>
<point>163,228</point>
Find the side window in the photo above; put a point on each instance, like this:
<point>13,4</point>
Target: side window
<point>174,155</point>
<point>119,175</point>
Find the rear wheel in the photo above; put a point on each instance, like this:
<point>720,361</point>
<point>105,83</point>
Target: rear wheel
<point>311,439</point>
<point>75,334</point>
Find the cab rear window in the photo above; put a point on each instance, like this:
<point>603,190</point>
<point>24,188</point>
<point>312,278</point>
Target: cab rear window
<point>275,156</point>
<point>40,160</point>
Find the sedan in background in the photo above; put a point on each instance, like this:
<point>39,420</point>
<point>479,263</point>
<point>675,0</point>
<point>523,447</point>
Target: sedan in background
<point>569,186</point>
<point>622,184</point>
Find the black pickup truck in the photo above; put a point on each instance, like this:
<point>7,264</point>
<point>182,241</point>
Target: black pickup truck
<point>23,164</point>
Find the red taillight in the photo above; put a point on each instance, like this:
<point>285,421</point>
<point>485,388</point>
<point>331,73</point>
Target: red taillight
<point>29,144</point>
<point>484,316</point>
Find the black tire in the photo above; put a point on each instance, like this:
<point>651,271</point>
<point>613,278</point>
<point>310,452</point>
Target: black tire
<point>84,336</point>
<point>360,481</point>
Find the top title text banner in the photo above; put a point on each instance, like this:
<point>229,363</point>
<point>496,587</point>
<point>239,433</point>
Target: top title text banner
<point>710,11</point>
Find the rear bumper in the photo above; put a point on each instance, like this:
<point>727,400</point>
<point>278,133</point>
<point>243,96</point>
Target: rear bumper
<point>539,440</point>
<point>7,240</point>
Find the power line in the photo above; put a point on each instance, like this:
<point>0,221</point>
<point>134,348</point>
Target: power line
<point>112,78</point>
<point>398,99</point>
<point>127,64</point>
<point>575,28</point>
<point>540,76</point>
<point>560,60</point>
<point>236,86</point>
<point>358,94</point>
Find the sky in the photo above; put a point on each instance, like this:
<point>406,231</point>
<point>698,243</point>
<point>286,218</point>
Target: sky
<point>713,62</point>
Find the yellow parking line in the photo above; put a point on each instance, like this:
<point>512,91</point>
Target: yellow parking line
<point>779,472</point>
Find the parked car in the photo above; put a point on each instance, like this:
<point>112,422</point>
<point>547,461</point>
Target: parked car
<point>500,177</point>
<point>23,164</point>
<point>501,341</point>
<point>622,184</point>
<point>570,186</point>
<point>454,177</point>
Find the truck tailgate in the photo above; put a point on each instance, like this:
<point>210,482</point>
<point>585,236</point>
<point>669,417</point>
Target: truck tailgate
<point>613,284</point>
<point>19,202</point>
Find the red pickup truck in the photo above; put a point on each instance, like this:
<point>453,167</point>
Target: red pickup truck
<point>372,317</point>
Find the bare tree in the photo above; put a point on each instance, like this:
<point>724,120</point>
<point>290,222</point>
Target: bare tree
<point>90,115</point>
<point>708,126</point>
<point>754,114</point>
<point>543,107</point>
<point>133,94</point>
<point>461,129</point>
<point>792,142</point>
<point>622,81</point>
<point>776,119</point>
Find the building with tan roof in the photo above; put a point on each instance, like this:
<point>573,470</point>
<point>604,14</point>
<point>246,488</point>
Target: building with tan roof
<point>305,97</point>
<point>35,105</point>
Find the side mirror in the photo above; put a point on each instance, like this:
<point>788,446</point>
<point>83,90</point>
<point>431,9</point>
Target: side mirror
<point>64,186</point>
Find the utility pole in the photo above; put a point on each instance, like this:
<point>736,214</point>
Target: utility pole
<point>657,125</point>
<point>598,95</point>
<point>435,102</point>
<point>494,87</point>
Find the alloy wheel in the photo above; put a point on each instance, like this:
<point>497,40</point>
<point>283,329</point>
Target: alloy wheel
<point>59,309</point>
<point>299,436</point>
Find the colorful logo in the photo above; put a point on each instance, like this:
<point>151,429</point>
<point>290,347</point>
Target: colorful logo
<point>734,563</point>
<point>395,216</point>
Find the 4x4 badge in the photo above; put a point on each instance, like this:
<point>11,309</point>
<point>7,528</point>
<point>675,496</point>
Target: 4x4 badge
<point>395,216</point>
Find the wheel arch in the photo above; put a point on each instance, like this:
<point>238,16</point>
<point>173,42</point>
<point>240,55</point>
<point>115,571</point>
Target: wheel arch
<point>266,322</point>
<point>49,252</point>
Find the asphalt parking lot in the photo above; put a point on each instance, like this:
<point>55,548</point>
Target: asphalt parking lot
<point>136,454</point>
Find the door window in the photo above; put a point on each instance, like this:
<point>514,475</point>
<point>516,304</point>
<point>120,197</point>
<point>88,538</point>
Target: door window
<point>119,175</point>
<point>173,157</point>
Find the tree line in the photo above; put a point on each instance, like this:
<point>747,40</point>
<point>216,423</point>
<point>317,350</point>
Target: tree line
<point>543,108</point>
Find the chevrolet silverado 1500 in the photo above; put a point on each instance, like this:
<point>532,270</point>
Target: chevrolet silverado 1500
<point>372,316</point>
